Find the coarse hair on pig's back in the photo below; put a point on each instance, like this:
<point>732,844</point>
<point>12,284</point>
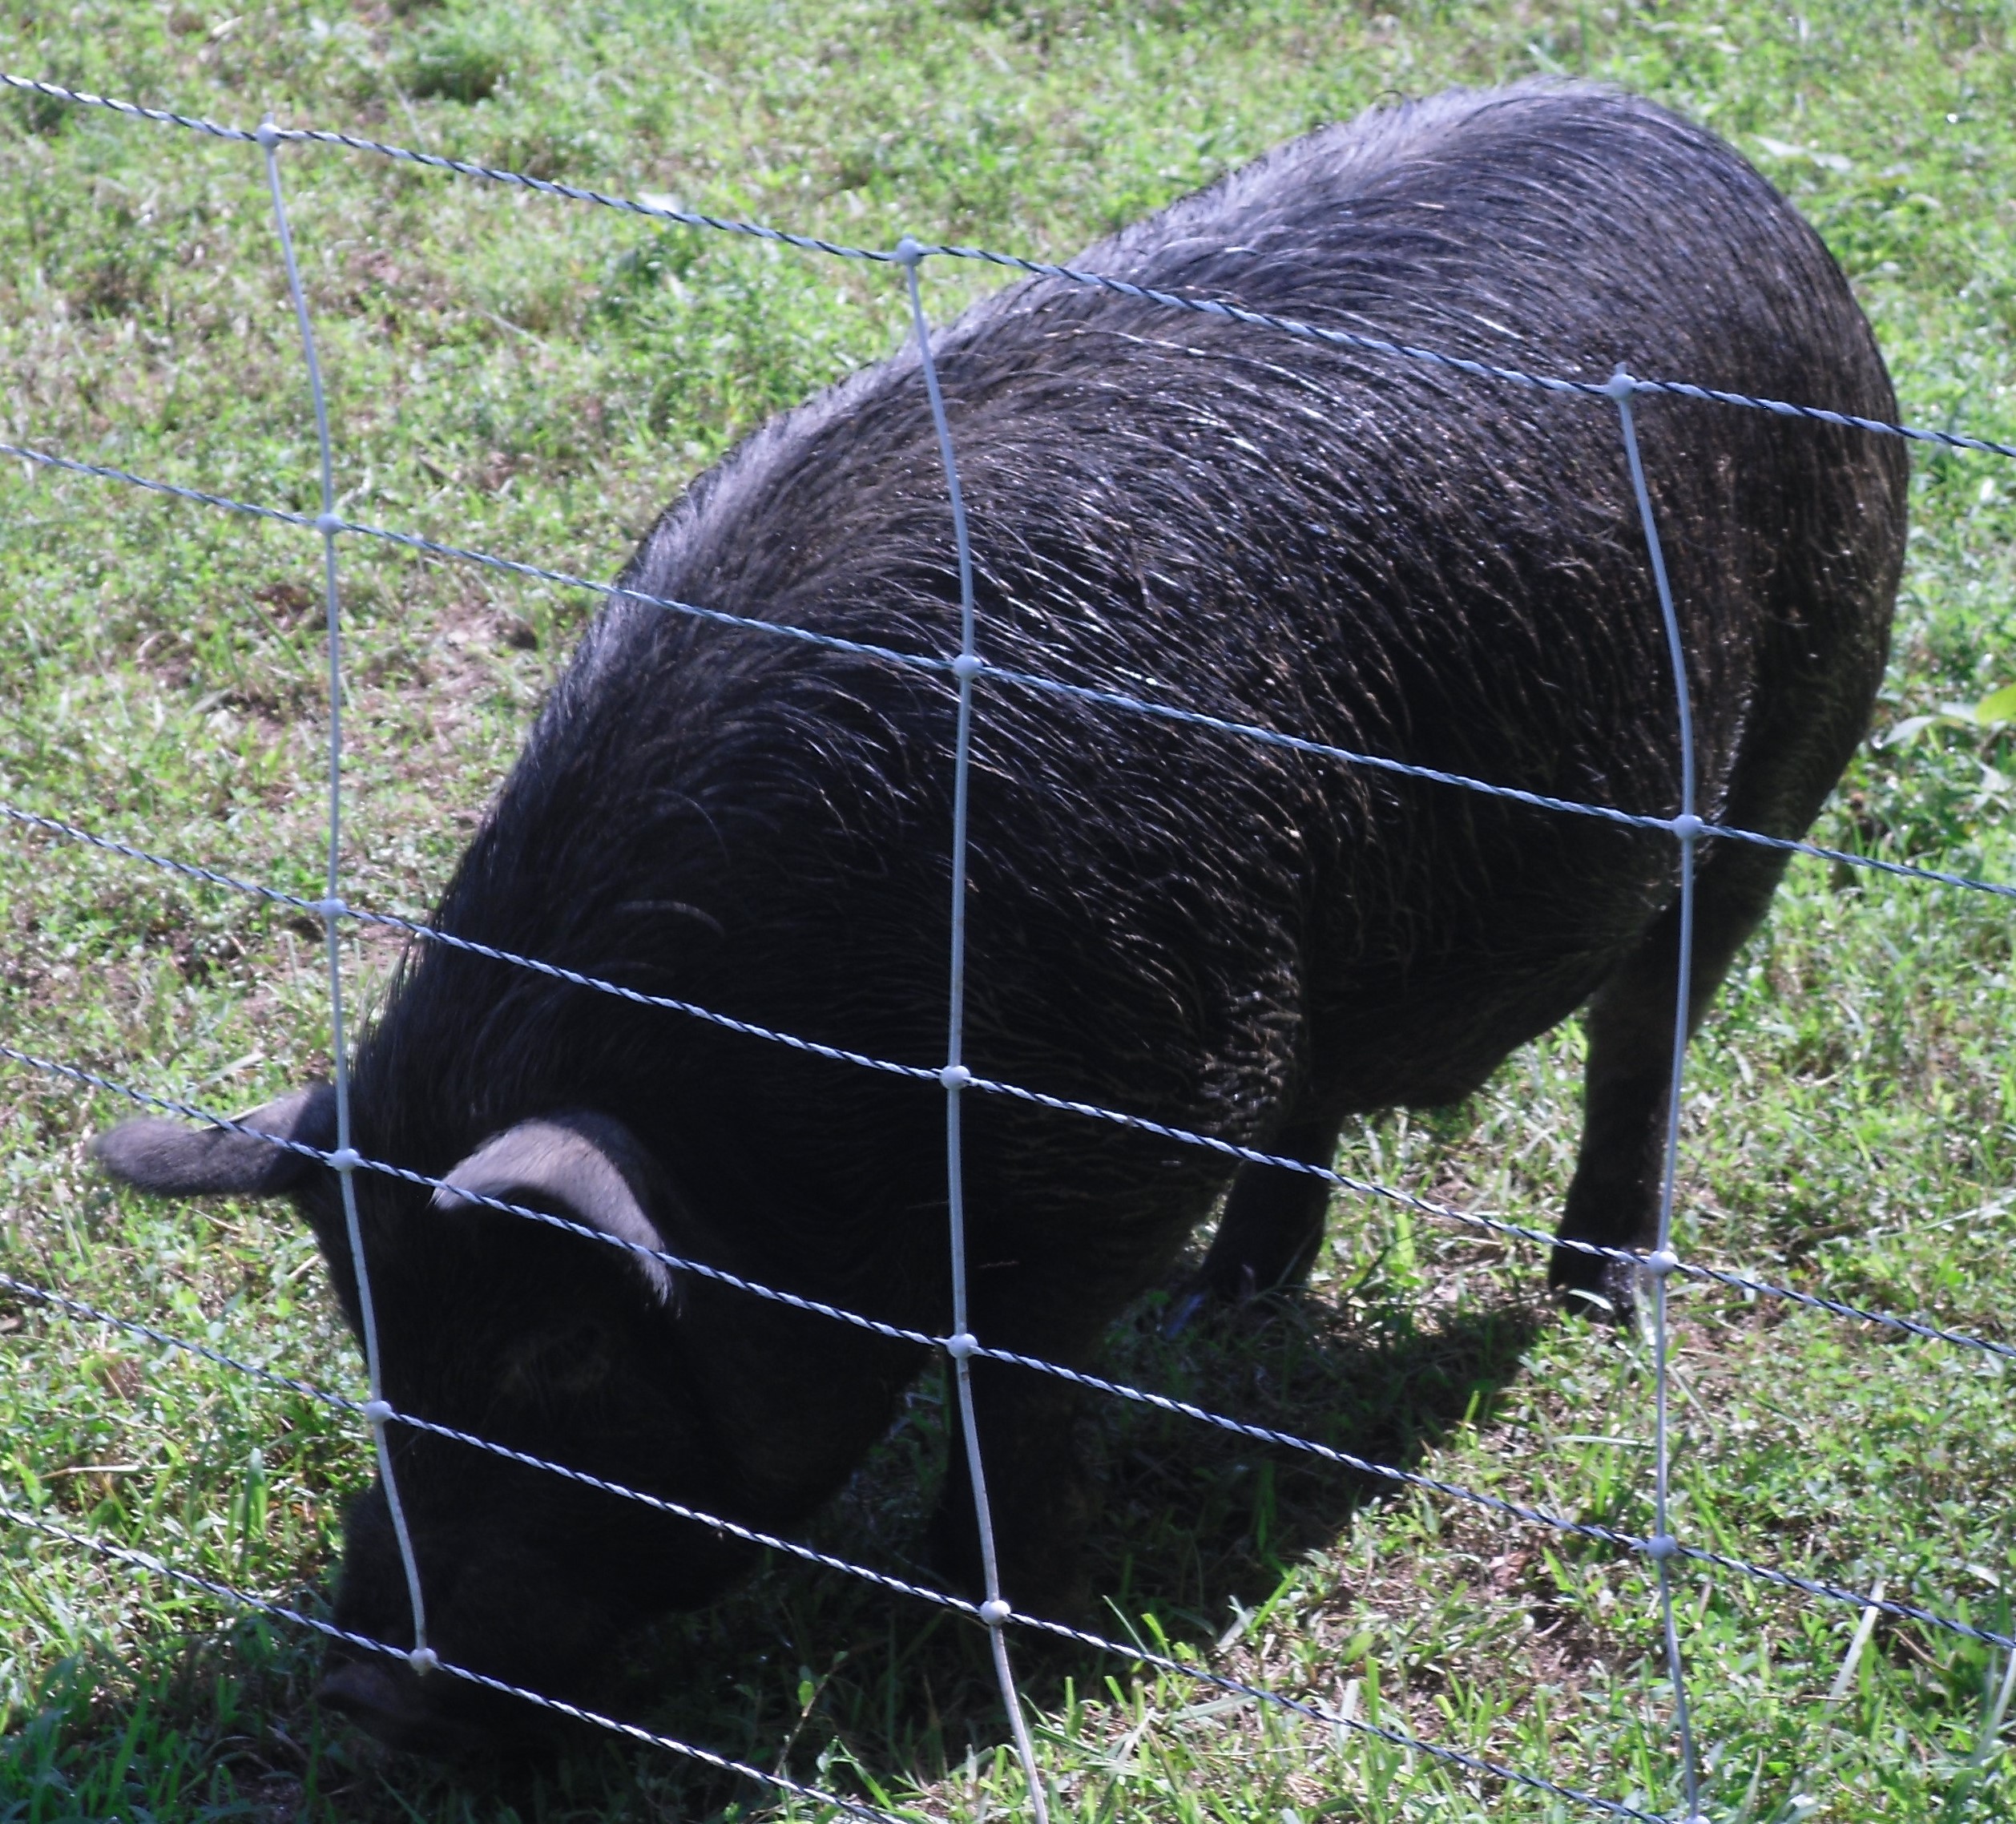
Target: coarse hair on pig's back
<point>1343,158</point>
<point>1564,133</point>
<point>1361,156</point>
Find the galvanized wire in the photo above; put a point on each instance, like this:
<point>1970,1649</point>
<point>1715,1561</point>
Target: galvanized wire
<point>55,91</point>
<point>955,1076</point>
<point>924,1339</point>
<point>388,1414</point>
<point>1135,1654</point>
<point>1036,269</point>
<point>1686,828</point>
<point>327,524</point>
<point>1259,1433</point>
<point>1009,676</point>
<point>460,167</point>
<point>280,1612</point>
<point>1457,364</point>
<point>921,1073</point>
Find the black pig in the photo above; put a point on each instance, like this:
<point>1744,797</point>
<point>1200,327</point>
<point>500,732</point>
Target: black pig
<point>1227,937</point>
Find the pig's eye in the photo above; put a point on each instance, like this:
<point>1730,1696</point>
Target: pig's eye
<point>561,1364</point>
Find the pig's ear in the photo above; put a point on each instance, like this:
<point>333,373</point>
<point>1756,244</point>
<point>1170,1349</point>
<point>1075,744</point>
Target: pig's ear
<point>174,1161</point>
<point>584,1167</point>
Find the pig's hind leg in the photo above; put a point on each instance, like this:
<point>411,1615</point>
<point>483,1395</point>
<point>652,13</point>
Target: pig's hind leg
<point>1613,1202</point>
<point>1272,1223</point>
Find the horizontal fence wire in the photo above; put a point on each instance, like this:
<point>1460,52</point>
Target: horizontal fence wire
<point>924,1339</point>
<point>1138,1655</point>
<point>1134,1652</point>
<point>1033,268</point>
<point>1686,828</point>
<point>280,1612</point>
<point>462,168</point>
<point>384,1411</point>
<point>1473,1219</point>
<point>1120,700</point>
<point>1130,1651</point>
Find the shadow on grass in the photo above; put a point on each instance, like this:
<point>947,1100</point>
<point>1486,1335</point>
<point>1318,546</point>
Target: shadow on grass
<point>210,1725</point>
<point>810,1672</point>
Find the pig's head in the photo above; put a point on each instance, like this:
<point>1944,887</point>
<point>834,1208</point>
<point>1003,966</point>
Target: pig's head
<point>566,1348</point>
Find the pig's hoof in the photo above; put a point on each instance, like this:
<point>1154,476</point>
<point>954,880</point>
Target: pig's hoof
<point>1594,1286</point>
<point>1231,1280</point>
<point>1223,1287</point>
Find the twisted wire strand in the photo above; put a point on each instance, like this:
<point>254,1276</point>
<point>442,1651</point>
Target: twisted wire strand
<point>1496,1503</point>
<point>721,1275</point>
<point>387,1413</point>
<point>1473,1219</point>
<point>1259,1433</point>
<point>1476,369</point>
<point>1033,268</point>
<point>48,459</point>
<point>954,1077</point>
<point>132,109</point>
<point>133,1326</point>
<point>262,1605</point>
<point>1472,1763</point>
<point>573,193</point>
<point>462,168</point>
<point>1121,700</point>
<point>1140,1655</point>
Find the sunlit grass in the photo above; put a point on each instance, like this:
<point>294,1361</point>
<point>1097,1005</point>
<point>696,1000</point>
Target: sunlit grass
<point>537,378</point>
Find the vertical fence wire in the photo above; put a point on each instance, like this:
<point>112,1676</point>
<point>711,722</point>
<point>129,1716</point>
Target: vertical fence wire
<point>1685,827</point>
<point>345,1158</point>
<point>961,1344</point>
<point>1662,1546</point>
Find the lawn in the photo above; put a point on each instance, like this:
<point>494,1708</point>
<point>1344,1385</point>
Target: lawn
<point>536,377</point>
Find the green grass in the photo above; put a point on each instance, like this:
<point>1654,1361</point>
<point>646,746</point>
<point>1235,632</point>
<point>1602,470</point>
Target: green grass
<point>536,378</point>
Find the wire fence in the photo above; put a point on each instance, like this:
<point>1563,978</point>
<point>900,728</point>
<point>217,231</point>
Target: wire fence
<point>1661,1549</point>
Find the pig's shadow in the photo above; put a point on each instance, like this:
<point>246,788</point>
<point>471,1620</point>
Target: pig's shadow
<point>1198,1523</point>
<point>848,1687</point>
